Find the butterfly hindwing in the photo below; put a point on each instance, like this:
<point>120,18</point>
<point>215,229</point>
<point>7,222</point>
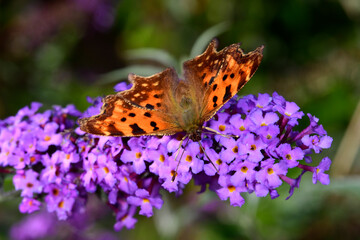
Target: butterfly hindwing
<point>119,118</point>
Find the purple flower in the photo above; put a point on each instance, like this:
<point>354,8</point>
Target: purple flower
<point>261,120</point>
<point>319,173</point>
<point>62,207</point>
<point>263,101</point>
<point>27,182</point>
<point>270,173</point>
<point>158,157</point>
<point>125,218</point>
<point>29,205</point>
<point>134,156</point>
<point>221,124</point>
<point>48,136</point>
<point>217,163</point>
<point>89,176</point>
<point>50,173</point>
<point>146,202</point>
<point>106,170</point>
<point>316,142</point>
<point>191,158</point>
<point>174,174</point>
<point>231,150</point>
<point>244,170</point>
<point>290,155</point>
<point>241,126</point>
<point>252,146</point>
<point>229,190</point>
<point>125,181</point>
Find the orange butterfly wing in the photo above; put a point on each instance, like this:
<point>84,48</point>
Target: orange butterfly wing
<point>221,74</point>
<point>142,110</point>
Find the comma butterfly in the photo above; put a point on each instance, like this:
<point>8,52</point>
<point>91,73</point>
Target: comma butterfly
<point>162,104</point>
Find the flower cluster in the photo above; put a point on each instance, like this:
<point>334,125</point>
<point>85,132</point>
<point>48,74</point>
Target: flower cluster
<point>249,146</point>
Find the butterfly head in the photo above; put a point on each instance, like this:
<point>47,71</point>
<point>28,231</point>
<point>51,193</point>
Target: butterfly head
<point>195,135</point>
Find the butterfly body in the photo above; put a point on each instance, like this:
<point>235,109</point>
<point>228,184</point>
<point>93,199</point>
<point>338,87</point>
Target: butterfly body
<point>163,104</point>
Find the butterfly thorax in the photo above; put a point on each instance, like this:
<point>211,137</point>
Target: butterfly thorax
<point>190,121</point>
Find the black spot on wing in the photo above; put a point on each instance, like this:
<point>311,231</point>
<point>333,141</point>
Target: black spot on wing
<point>149,106</point>
<point>123,119</point>
<point>211,80</point>
<point>114,131</point>
<point>227,94</point>
<point>153,124</point>
<point>215,98</point>
<point>136,129</point>
<point>147,114</point>
<point>214,87</point>
<point>132,114</point>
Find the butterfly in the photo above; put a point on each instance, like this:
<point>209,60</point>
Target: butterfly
<point>164,104</point>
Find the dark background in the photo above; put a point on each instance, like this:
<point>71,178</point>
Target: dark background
<point>59,52</point>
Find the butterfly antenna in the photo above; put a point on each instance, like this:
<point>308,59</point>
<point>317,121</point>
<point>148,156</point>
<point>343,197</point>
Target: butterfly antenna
<point>212,163</point>
<point>216,132</point>
<point>177,154</point>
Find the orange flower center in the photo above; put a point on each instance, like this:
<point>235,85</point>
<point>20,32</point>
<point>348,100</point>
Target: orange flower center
<point>235,149</point>
<point>222,128</point>
<point>61,204</point>
<point>55,191</point>
<point>231,188</point>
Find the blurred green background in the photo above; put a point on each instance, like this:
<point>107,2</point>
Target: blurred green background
<point>59,52</point>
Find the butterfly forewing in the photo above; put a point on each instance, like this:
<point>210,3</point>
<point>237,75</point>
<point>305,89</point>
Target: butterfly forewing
<point>220,75</point>
<point>236,70</point>
<point>202,70</point>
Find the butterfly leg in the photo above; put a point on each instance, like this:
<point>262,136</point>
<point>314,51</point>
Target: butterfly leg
<point>216,132</point>
<point>212,163</point>
<point>177,154</point>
